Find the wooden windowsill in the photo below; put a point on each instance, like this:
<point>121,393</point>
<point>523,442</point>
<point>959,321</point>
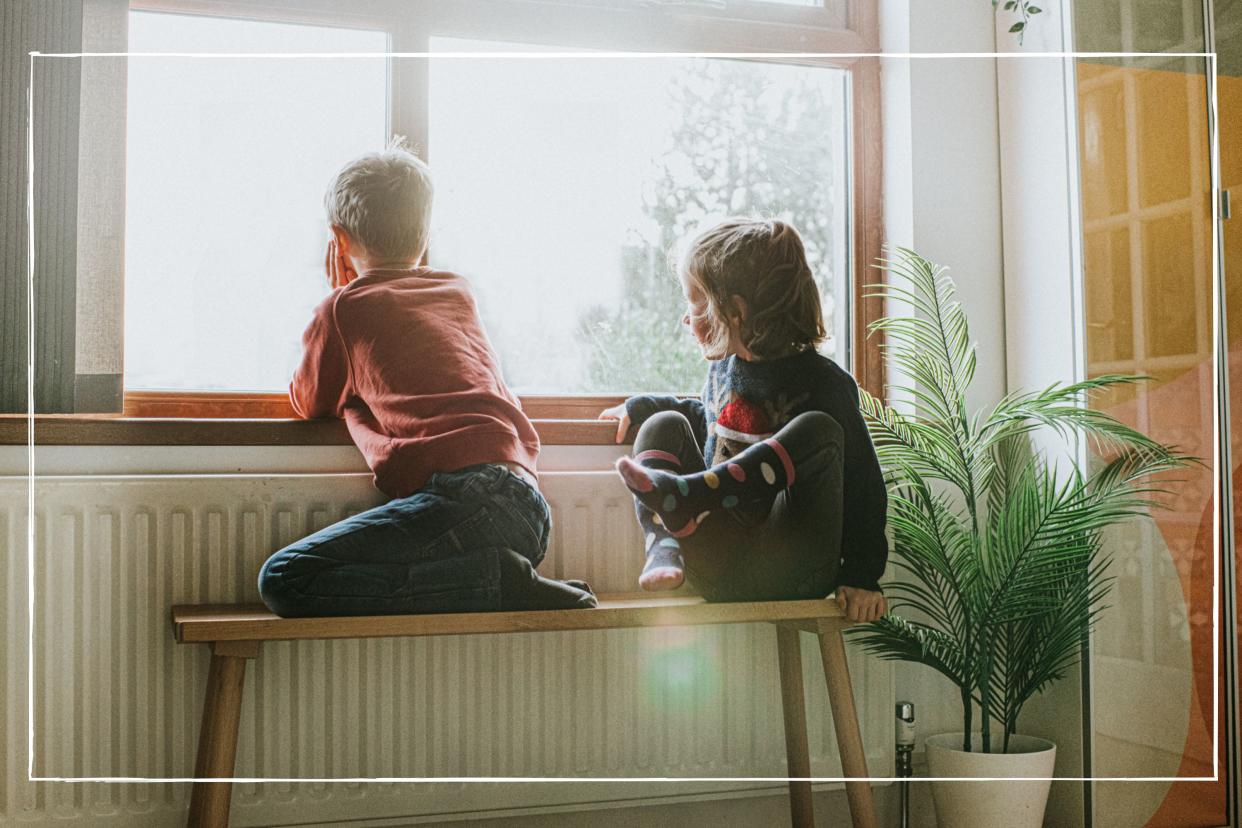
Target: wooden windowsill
<point>112,430</point>
<point>224,405</point>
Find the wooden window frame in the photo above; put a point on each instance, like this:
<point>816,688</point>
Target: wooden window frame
<point>739,26</point>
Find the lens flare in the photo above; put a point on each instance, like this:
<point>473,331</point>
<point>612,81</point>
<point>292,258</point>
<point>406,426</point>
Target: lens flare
<point>679,665</point>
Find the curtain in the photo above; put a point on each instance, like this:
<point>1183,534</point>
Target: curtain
<point>78,121</point>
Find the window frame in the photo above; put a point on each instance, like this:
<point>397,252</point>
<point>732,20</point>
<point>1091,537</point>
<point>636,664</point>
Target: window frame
<point>738,26</point>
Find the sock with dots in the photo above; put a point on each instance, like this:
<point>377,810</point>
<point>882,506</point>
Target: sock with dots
<point>681,501</point>
<point>664,568</point>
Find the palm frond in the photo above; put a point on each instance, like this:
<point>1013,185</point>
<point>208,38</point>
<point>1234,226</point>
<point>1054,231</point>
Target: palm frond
<point>943,325</point>
<point>930,543</point>
<point>1049,645</point>
<point>1045,526</point>
<point>893,638</point>
<point>1062,408</point>
<point>999,553</point>
<point>934,349</point>
<point>909,444</point>
<point>1009,457</point>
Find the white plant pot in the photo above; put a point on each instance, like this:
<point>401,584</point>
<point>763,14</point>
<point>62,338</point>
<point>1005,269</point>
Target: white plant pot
<point>1013,804</point>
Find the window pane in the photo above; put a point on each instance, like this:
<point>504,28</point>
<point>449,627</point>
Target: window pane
<point>819,13</point>
<point>563,183</point>
<point>228,160</point>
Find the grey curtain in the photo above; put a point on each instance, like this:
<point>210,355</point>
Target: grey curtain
<point>79,203</point>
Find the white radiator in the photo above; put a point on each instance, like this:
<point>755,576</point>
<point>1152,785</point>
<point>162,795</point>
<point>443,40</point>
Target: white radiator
<point>115,697</point>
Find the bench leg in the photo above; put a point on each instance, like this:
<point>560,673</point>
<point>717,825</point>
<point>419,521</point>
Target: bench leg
<point>217,738</point>
<point>801,809</point>
<point>845,720</point>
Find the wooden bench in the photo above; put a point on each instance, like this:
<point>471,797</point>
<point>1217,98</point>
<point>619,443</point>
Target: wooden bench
<point>234,633</point>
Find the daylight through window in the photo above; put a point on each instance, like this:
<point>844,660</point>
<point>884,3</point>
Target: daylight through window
<point>562,187</point>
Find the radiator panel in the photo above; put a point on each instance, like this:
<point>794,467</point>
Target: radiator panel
<point>116,697</point>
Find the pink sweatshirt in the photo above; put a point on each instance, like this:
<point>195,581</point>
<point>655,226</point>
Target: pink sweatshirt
<point>401,355</point>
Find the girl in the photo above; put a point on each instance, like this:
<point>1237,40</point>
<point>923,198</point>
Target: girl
<point>768,488</point>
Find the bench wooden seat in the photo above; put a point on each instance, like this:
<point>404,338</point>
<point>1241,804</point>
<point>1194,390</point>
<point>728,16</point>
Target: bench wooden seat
<point>234,633</point>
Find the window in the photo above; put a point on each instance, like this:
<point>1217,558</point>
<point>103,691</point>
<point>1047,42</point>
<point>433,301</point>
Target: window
<point>227,162</point>
<point>561,183</point>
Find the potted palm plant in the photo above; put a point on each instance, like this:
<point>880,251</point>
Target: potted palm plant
<point>997,546</point>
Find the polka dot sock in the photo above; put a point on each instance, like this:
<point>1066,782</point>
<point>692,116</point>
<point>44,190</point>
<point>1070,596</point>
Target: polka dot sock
<point>682,501</point>
<point>664,568</point>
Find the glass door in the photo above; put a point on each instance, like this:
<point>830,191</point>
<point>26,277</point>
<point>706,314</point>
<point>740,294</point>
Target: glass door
<point>1148,294</point>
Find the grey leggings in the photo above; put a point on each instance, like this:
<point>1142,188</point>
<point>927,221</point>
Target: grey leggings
<point>788,548</point>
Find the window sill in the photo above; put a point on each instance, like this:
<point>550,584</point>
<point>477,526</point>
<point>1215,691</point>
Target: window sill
<point>224,405</point>
<point>111,430</point>
<point>156,418</point>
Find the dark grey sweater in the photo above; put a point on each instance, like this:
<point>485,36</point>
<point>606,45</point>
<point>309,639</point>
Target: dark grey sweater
<point>745,402</point>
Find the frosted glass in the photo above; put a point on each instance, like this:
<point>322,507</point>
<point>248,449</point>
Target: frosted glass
<point>228,160</point>
<point>563,184</point>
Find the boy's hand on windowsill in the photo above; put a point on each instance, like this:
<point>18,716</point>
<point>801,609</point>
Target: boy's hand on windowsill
<point>861,604</point>
<point>618,413</point>
<point>336,264</point>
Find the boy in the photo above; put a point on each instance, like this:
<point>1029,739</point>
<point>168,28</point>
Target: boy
<point>399,352</point>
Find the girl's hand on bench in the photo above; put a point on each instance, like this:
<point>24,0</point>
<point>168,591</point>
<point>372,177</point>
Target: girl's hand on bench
<point>618,413</point>
<point>861,604</point>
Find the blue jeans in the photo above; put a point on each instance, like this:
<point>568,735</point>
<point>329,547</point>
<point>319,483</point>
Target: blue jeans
<point>446,548</point>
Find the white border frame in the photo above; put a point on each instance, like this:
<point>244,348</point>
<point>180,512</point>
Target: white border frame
<point>1214,171</point>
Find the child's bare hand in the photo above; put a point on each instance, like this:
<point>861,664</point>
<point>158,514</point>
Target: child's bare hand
<point>340,271</point>
<point>618,413</point>
<point>861,604</point>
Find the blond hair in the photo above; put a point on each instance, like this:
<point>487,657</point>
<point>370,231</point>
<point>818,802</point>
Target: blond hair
<point>764,262</point>
<point>383,201</point>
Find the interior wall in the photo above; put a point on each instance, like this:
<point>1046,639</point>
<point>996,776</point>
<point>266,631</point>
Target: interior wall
<point>1042,307</point>
<point>942,198</point>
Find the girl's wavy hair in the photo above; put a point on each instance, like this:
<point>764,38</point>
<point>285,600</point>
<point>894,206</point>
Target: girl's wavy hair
<point>764,262</point>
